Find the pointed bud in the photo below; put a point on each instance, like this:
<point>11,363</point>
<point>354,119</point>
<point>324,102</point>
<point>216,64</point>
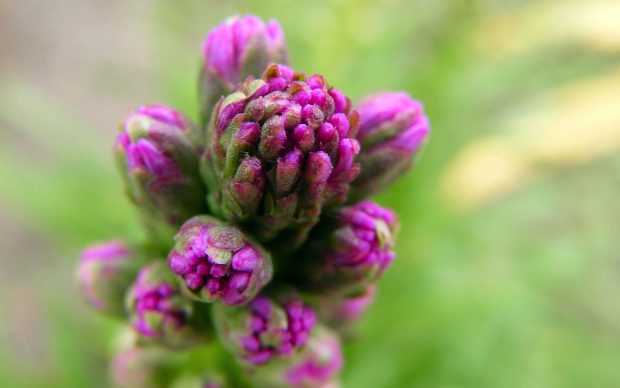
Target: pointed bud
<point>105,272</point>
<point>242,46</point>
<point>393,129</point>
<point>160,312</point>
<point>281,150</point>
<point>216,261</point>
<point>350,250</point>
<point>316,366</point>
<point>158,158</point>
<point>266,328</point>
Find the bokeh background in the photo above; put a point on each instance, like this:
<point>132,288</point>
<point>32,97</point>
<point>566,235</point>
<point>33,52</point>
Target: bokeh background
<point>508,262</point>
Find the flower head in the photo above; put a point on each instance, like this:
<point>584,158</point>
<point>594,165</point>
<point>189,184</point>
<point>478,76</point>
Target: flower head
<point>158,158</point>
<point>158,310</point>
<point>319,363</point>
<point>351,250</point>
<point>316,366</point>
<point>216,261</point>
<point>393,129</point>
<point>242,46</point>
<point>281,148</point>
<point>265,328</point>
<point>105,272</point>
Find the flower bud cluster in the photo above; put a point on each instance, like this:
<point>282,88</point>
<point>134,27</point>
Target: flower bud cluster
<point>259,231</point>
<point>282,148</point>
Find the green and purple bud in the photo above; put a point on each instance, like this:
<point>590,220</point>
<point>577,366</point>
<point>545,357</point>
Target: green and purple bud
<point>281,148</point>
<point>350,250</point>
<point>393,129</point>
<point>340,312</point>
<point>242,46</point>
<point>159,312</point>
<point>316,366</point>
<point>216,261</point>
<point>266,328</point>
<point>105,272</point>
<point>158,157</point>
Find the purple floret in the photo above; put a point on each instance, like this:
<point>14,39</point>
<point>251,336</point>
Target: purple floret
<point>319,363</point>
<point>158,309</point>
<point>216,261</point>
<point>393,129</point>
<point>151,300</point>
<point>272,334</point>
<point>366,237</point>
<point>229,45</point>
<point>159,158</point>
<point>350,250</point>
<point>105,272</point>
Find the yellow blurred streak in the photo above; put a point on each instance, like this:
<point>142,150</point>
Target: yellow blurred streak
<point>571,125</point>
<point>595,24</point>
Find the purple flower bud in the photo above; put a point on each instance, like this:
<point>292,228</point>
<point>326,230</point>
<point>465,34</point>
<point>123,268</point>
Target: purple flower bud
<point>105,272</point>
<point>319,363</point>
<point>265,328</point>
<point>140,366</point>
<point>316,366</point>
<point>238,48</point>
<point>281,149</point>
<point>342,311</point>
<point>157,156</point>
<point>158,309</point>
<point>350,250</point>
<point>214,260</point>
<point>392,130</point>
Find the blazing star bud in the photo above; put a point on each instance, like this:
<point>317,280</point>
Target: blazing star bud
<point>238,48</point>
<point>105,272</point>
<point>319,363</point>
<point>350,250</point>
<point>339,312</point>
<point>158,158</point>
<point>317,366</point>
<point>141,367</point>
<point>159,311</point>
<point>216,261</point>
<point>392,130</point>
<point>281,149</point>
<point>265,328</point>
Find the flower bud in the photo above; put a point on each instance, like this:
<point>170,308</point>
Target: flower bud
<point>105,272</point>
<point>349,251</point>
<point>159,311</point>
<point>316,366</point>
<point>238,48</point>
<point>281,149</point>
<point>339,312</point>
<point>159,160</point>
<point>265,328</point>
<point>214,260</point>
<point>393,129</point>
<point>139,366</point>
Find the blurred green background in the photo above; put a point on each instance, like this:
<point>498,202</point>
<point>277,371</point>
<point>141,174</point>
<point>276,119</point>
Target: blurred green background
<point>508,267</point>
